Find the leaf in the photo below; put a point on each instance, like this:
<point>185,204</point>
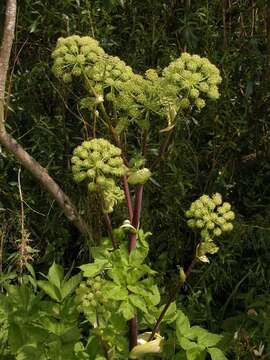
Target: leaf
<point>93,269</point>
<point>51,290</point>
<point>114,292</point>
<point>187,344</point>
<point>132,277</point>
<point>31,270</point>
<point>171,313</point>
<point>195,354</point>
<point>216,354</point>
<point>206,338</point>
<point>116,274</point>
<point>127,310</point>
<point>139,302</point>
<point>137,256</point>
<point>30,352</point>
<point>16,338</point>
<point>70,285</point>
<point>182,324</point>
<point>122,125</point>
<point>56,275</point>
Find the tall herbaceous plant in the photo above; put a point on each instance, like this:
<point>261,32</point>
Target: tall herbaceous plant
<point>119,296</point>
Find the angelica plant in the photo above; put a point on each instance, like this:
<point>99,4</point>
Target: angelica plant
<point>119,295</point>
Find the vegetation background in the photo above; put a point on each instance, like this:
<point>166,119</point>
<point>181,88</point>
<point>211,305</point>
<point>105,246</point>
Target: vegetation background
<point>227,149</point>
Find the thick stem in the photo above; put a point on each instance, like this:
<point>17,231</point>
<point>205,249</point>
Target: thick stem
<point>136,216</point>
<point>128,198</point>
<point>133,333</point>
<point>5,50</point>
<point>171,298</point>
<point>11,144</point>
<point>41,174</point>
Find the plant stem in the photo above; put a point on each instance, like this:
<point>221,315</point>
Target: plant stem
<point>172,297</point>
<point>132,246</point>
<point>110,230</point>
<point>133,333</point>
<point>128,198</point>
<point>136,216</point>
<point>162,150</point>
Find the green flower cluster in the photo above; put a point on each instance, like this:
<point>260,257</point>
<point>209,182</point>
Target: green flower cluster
<point>139,176</point>
<point>187,81</point>
<point>193,78</point>
<point>89,295</point>
<point>75,54</point>
<point>98,161</point>
<point>211,216</point>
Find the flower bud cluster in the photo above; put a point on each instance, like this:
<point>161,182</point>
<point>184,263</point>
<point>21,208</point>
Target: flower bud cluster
<point>187,81</point>
<point>211,216</point>
<point>89,295</point>
<point>74,54</point>
<point>139,176</point>
<point>98,162</point>
<point>195,78</point>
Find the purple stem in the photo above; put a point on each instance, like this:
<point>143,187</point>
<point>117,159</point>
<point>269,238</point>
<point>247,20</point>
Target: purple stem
<point>128,198</point>
<point>133,333</point>
<point>136,216</point>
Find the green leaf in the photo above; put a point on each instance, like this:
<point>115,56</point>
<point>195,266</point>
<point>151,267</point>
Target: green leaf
<point>122,125</point>
<point>70,285</point>
<point>132,277</point>
<point>114,292</point>
<point>182,324</point>
<point>93,269</point>
<point>137,256</point>
<point>216,354</point>
<point>204,337</point>
<point>56,275</point>
<point>16,337</point>
<point>127,310</point>
<point>139,302</point>
<point>51,290</point>
<point>151,295</point>
<point>186,344</point>
<point>195,354</point>
<point>171,313</point>
<point>30,352</point>
<point>117,275</point>
<point>180,356</point>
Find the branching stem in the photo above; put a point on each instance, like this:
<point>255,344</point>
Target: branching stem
<point>171,298</point>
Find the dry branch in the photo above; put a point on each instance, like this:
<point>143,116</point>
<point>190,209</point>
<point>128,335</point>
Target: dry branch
<point>11,144</point>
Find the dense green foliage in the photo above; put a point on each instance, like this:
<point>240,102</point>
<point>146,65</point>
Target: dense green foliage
<point>223,148</point>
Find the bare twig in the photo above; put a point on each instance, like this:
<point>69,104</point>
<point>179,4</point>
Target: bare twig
<point>11,144</point>
<point>5,50</point>
<point>171,298</point>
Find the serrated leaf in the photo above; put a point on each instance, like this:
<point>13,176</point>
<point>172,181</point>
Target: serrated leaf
<point>195,354</point>
<point>187,344</point>
<point>182,324</point>
<point>30,352</point>
<point>51,290</point>
<point>114,292</point>
<point>216,354</point>
<point>138,301</point>
<point>93,269</point>
<point>70,285</point>
<point>137,256</point>
<point>127,310</point>
<point>56,275</point>
<point>151,295</point>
